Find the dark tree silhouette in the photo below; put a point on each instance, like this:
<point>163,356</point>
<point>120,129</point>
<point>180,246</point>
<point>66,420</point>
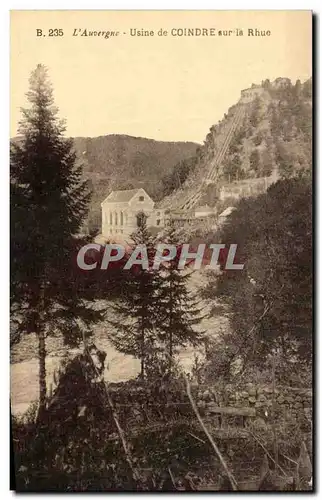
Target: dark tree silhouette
<point>49,203</point>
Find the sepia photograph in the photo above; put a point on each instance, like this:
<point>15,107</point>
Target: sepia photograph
<point>161,267</point>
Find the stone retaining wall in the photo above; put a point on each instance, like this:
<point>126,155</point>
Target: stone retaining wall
<point>290,402</point>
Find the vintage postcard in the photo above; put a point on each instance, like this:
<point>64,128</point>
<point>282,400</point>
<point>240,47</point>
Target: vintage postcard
<point>161,251</point>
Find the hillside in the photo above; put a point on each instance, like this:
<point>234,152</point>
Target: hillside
<point>259,139</point>
<point>125,162</point>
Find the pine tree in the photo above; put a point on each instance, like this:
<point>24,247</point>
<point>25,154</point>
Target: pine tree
<point>177,310</point>
<point>157,313</point>
<point>135,327</point>
<point>48,207</point>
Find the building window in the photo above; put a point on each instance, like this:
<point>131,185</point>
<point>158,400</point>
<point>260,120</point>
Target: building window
<point>116,221</point>
<point>141,198</point>
<point>111,219</point>
<point>122,219</point>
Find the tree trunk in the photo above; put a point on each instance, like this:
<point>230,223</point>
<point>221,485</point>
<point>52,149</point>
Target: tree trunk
<point>41,356</point>
<point>42,371</point>
<point>275,443</point>
<point>170,330</point>
<point>142,355</point>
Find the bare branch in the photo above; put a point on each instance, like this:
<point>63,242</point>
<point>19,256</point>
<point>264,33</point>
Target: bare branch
<point>267,452</point>
<point>135,473</point>
<point>230,476</point>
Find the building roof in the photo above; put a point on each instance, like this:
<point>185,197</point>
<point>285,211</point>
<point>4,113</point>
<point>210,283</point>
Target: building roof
<point>122,196</point>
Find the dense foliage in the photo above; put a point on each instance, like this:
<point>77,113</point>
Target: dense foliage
<point>155,312</point>
<point>270,301</point>
<point>175,179</point>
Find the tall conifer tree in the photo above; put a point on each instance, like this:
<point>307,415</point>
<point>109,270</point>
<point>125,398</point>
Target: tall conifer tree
<point>179,311</point>
<point>49,203</point>
<point>135,329</point>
